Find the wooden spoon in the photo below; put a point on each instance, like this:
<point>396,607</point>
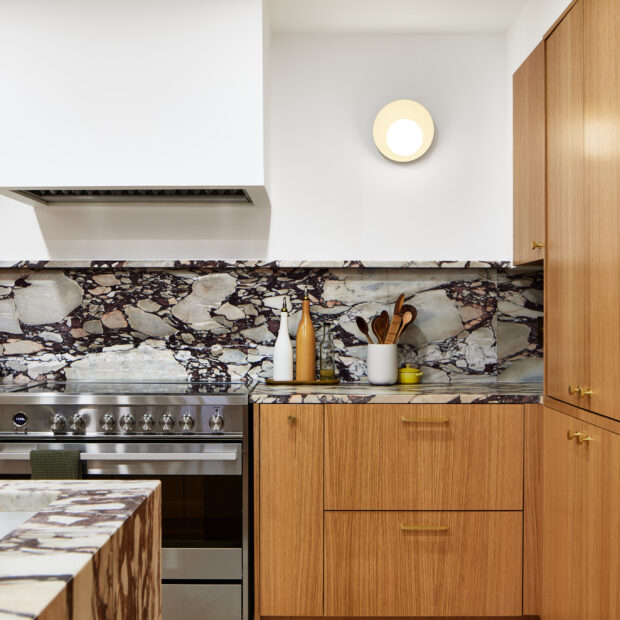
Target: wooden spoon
<point>409,308</point>
<point>363,327</point>
<point>398,306</point>
<point>383,324</point>
<point>407,318</point>
<point>377,329</point>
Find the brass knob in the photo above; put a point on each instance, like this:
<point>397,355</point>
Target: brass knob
<point>292,419</point>
<point>571,435</point>
<point>574,389</point>
<point>583,439</point>
<point>584,392</point>
<point>537,245</point>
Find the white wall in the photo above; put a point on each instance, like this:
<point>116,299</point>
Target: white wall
<point>334,196</point>
<point>526,32</point>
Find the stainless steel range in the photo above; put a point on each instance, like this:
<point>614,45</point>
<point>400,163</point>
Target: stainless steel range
<point>193,437</point>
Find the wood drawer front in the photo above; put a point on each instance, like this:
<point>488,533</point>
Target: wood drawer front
<point>467,457</point>
<point>374,568</point>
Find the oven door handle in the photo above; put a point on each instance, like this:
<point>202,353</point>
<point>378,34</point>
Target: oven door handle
<point>134,456</point>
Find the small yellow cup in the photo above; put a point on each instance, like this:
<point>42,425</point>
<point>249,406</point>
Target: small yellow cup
<point>409,375</point>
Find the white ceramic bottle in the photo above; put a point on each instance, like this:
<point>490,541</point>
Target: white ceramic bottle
<point>283,351</point>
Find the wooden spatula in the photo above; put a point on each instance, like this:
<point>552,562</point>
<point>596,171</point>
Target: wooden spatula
<point>397,319</point>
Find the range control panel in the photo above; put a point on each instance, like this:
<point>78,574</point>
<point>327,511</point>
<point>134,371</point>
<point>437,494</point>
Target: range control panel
<point>221,420</point>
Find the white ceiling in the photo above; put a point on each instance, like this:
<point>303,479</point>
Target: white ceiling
<point>392,16</point>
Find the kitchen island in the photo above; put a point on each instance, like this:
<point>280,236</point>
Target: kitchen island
<point>90,550</point>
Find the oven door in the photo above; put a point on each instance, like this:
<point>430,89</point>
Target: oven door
<point>202,511</point>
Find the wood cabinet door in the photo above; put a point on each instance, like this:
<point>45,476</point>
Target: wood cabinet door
<point>602,170</point>
<point>529,158</point>
<point>567,256</point>
<point>581,520</point>
<point>390,563</point>
<point>423,457</point>
<point>562,540</point>
<point>290,510</point>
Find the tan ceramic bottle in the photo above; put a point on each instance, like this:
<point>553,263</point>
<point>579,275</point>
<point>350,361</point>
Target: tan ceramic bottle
<point>306,345</point>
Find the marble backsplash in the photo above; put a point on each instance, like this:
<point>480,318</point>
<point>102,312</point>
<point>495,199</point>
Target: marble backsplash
<point>113,321</point>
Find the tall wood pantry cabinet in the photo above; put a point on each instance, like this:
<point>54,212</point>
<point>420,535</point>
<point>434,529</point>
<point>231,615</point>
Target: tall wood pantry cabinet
<point>582,278</point>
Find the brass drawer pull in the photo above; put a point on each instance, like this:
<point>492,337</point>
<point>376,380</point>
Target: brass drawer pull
<point>583,439</point>
<point>537,245</point>
<point>574,389</point>
<point>424,420</point>
<point>424,528</point>
<point>584,392</point>
<point>571,435</point>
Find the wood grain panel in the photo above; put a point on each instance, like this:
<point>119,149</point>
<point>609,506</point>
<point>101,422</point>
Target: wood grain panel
<point>532,510</point>
<point>529,157</point>
<point>562,540</point>
<point>255,606</point>
<point>581,550</point>
<point>586,416</point>
<point>375,461</point>
<point>291,510</point>
<point>567,257</point>
<point>602,173</point>
<point>373,568</point>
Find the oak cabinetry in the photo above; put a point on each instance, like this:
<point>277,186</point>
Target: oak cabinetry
<point>290,510</point>
<point>567,256</point>
<point>389,563</point>
<point>581,550</point>
<point>426,457</point>
<point>582,279</point>
<point>422,512</point>
<point>602,200</point>
<point>529,158</point>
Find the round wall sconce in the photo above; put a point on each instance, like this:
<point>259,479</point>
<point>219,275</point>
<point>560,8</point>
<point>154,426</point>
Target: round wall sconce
<point>403,130</point>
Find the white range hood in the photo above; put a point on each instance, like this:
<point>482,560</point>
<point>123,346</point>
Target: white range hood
<point>147,100</point>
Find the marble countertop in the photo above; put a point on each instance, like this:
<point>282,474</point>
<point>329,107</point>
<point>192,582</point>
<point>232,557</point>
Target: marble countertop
<point>254,263</point>
<point>422,393</point>
<point>74,520</point>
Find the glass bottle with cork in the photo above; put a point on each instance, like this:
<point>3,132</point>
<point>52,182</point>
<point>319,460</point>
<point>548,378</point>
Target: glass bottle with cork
<point>327,368</point>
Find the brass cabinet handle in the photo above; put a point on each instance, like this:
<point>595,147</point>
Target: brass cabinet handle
<point>584,392</point>
<point>537,245</point>
<point>292,419</point>
<point>574,389</point>
<point>583,439</point>
<point>571,435</point>
<point>424,528</point>
<point>424,420</point>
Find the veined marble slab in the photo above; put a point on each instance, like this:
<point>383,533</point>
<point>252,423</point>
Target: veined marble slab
<point>442,393</point>
<point>80,555</point>
<point>194,321</point>
<point>252,263</point>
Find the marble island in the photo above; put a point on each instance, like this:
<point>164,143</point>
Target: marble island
<point>87,550</point>
<point>492,392</point>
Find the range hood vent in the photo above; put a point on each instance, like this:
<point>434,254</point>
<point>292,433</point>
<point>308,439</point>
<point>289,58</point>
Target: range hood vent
<point>107,196</point>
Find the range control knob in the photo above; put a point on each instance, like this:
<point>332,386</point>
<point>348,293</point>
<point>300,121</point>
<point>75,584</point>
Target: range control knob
<point>216,422</point>
<point>20,419</point>
<point>147,422</point>
<point>108,422</point>
<point>167,422</point>
<point>127,422</point>
<point>77,423</point>
<point>57,422</point>
<point>186,422</point>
